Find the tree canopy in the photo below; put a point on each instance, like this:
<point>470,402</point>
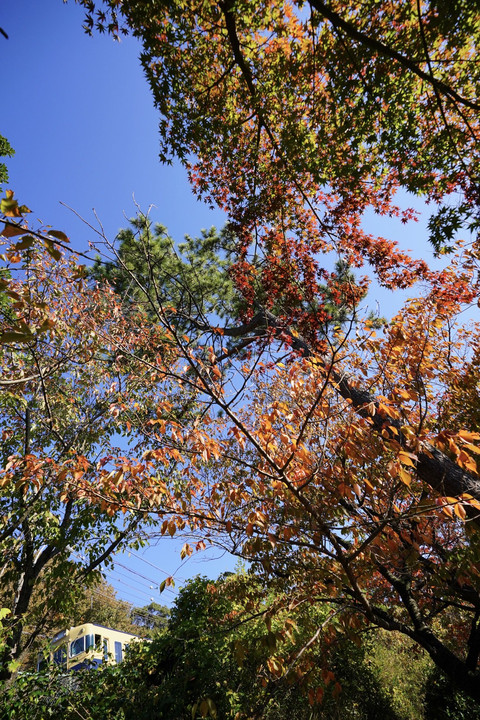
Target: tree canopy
<point>61,387</point>
<point>213,658</point>
<point>295,117</point>
<point>339,460</point>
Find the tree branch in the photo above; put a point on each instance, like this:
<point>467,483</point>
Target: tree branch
<point>443,475</point>
<point>389,52</point>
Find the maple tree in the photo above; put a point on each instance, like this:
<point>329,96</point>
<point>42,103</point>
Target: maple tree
<point>295,117</point>
<point>364,501</point>
<point>349,475</point>
<point>340,464</point>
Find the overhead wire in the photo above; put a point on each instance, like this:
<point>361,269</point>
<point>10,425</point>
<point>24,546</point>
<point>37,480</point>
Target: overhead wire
<point>141,593</point>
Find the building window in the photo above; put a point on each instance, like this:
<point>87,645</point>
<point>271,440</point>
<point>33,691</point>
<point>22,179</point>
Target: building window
<point>77,646</point>
<point>118,651</point>
<point>60,655</point>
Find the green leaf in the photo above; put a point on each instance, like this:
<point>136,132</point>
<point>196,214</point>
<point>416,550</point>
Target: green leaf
<point>46,325</point>
<point>25,243</point>
<point>9,207</point>
<point>15,337</point>
<point>52,250</point>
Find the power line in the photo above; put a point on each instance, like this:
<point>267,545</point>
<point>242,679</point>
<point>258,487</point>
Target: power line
<point>138,597</point>
<point>135,572</point>
<point>147,562</point>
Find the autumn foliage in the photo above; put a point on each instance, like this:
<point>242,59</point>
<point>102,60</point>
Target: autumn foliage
<point>336,455</point>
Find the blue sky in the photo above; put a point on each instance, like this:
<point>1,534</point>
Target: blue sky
<point>79,115</point>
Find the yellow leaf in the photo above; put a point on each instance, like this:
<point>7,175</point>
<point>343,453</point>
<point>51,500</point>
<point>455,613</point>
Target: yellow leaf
<point>468,435</point>
<point>472,448</point>
<point>407,458</point>
<point>404,476</point>
<point>59,235</point>
<point>387,410</point>
<point>472,502</point>
<point>186,551</point>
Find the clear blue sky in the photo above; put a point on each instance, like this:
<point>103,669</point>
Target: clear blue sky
<point>79,115</point>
